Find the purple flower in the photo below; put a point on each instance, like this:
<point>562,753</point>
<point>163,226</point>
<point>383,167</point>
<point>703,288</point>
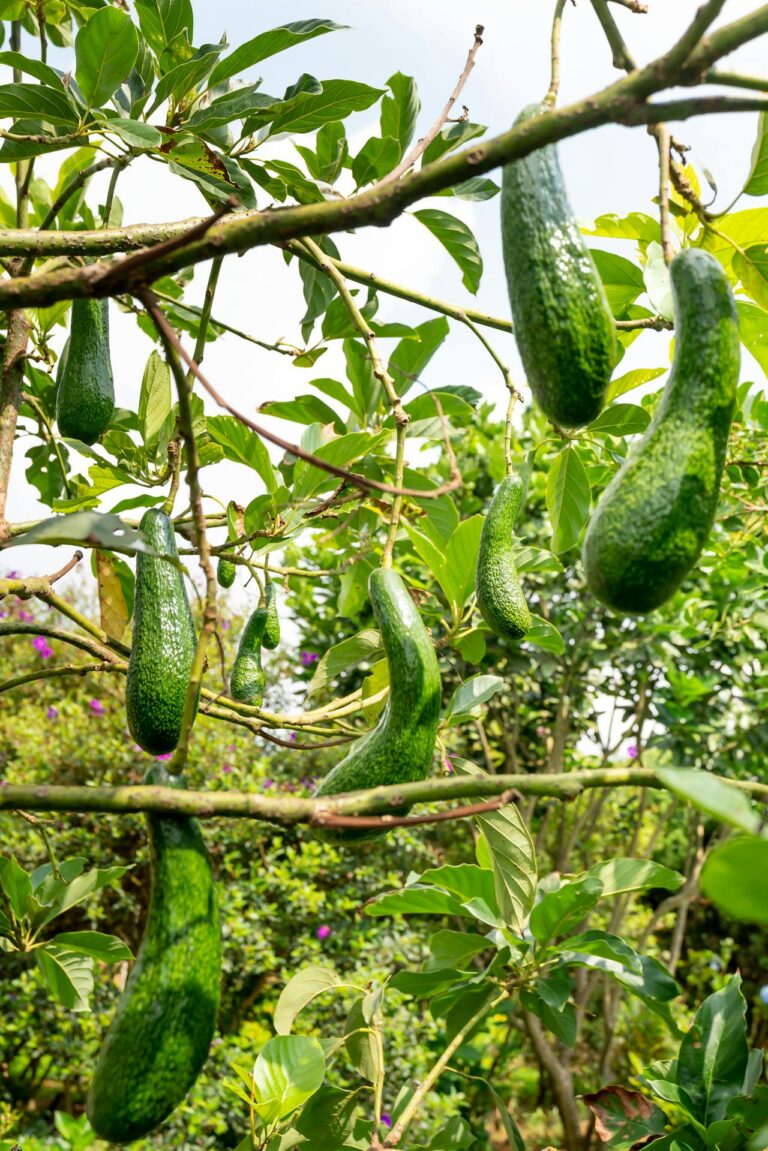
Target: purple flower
<point>159,758</point>
<point>268,783</point>
<point>97,707</point>
<point>323,931</point>
<point>308,658</point>
<point>448,765</point>
<point>632,751</point>
<point>292,736</point>
<point>386,1119</point>
<point>26,616</point>
<point>226,768</point>
<point>40,644</point>
<point>11,575</point>
<point>52,713</point>
<point>225,624</point>
<point>542,731</point>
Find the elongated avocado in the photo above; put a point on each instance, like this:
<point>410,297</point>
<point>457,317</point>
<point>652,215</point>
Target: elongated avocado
<point>225,572</point>
<point>164,642</point>
<point>246,684</point>
<point>399,749</point>
<point>85,393</point>
<point>158,1041</point>
<point>499,594</point>
<point>272,626</point>
<point>655,515</point>
<point>562,322</point>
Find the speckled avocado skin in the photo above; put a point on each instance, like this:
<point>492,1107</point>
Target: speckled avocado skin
<point>165,1019</point>
<point>272,626</point>
<point>656,514</point>
<point>400,747</point>
<point>499,594</point>
<point>246,684</point>
<point>225,572</point>
<point>164,643</point>
<point>85,393</point>
<point>563,324</point>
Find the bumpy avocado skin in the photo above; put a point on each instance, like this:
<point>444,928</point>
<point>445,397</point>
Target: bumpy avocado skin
<point>563,324</point>
<point>246,684</point>
<point>499,594</point>
<point>399,749</point>
<point>272,626</point>
<point>656,514</point>
<point>85,394</point>
<point>165,1019</point>
<point>164,643</point>
<point>225,572</point>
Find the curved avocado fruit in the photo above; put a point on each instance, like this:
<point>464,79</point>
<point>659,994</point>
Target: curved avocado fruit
<point>85,393</point>
<point>272,626</point>
<point>399,749</point>
<point>655,515</point>
<point>164,643</point>
<point>246,684</point>
<point>225,572</point>
<point>562,322</point>
<point>499,595</point>
<point>158,1041</point>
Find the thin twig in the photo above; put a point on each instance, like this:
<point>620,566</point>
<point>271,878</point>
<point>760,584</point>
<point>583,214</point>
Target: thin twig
<point>57,575</point>
<point>554,84</point>
<point>622,57</point>
<point>387,821</point>
<point>421,145</point>
<point>660,132</point>
<point>633,6</point>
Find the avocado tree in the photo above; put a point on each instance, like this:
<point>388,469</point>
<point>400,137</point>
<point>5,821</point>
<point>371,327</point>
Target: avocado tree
<point>536,721</point>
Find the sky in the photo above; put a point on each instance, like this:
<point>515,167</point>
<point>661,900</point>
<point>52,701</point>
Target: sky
<point>610,169</point>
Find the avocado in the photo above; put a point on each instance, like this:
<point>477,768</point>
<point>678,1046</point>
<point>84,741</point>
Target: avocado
<point>654,517</point>
<point>85,392</point>
<point>499,594</point>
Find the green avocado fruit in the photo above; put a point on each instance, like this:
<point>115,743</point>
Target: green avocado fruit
<point>85,392</point>
<point>499,594</point>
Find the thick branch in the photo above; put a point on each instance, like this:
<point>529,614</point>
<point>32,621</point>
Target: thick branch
<point>10,400</point>
<point>287,810</point>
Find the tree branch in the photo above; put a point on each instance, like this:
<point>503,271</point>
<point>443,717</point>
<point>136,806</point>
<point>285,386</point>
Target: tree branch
<point>14,358</point>
<point>288,810</point>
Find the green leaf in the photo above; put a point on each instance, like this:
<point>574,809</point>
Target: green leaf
<point>475,188</point>
<point>558,911</point>
<point>568,499</point>
<point>399,111</point>
<point>363,1045</point>
<point>331,151</point>
<point>63,895</point>
<point>622,280</point>
<point>68,975</point>
<point>619,876</point>
<point>287,1072</point>
<point>417,900</point>
<point>734,878</point>
<point>411,356</point>
<point>154,398</point>
<point>307,112</point>
<point>164,21</point>
<point>450,138</point>
<point>736,229</point>
<point>757,183</point>
<point>243,446</point>
<point>458,240</point>
<point>714,1053</point>
<point>235,105</point>
<point>712,795</point>
<point>305,410</point>
<point>35,100</point>
<point>116,588</point>
<point>134,133</point>
<point>16,884</point>
<point>106,531</point>
<point>27,64</point>
<point>328,1119</point>
<point>606,944</point>
<point>753,328</point>
<point>269,44</point>
<point>631,380</point>
<point>658,283</point>
<point>376,157</point>
<point>300,990</point>
<point>545,635</point>
<point>105,948</point>
<point>339,451</point>
<point>455,948</point>
<point>185,76</point>
<point>635,226</point>
<point>620,420</point>
<point>561,1023</point>
<point>105,51</point>
<point>653,984</point>
<point>470,695</point>
<point>513,857</point>
<point>751,266</point>
<point>366,645</point>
